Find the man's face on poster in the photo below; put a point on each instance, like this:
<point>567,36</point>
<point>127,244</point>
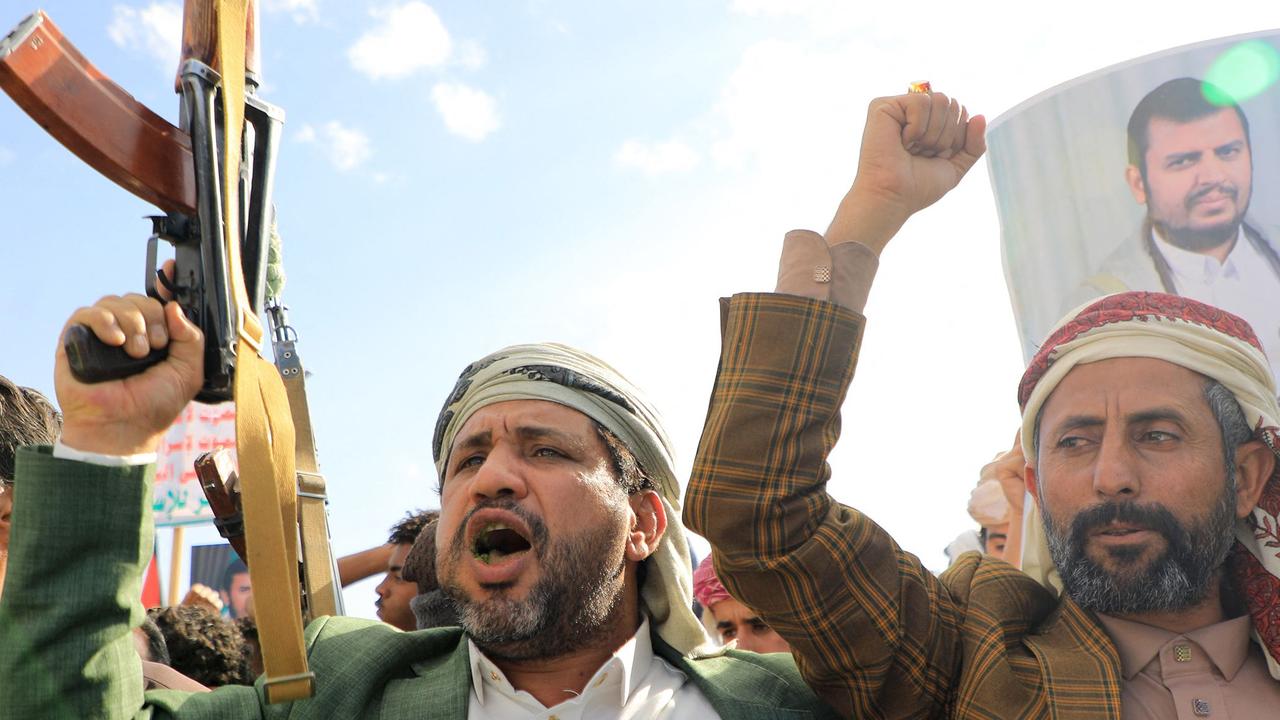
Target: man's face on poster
<point>1198,181</point>
<point>239,596</point>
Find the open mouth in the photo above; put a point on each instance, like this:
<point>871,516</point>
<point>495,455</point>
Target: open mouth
<point>498,541</point>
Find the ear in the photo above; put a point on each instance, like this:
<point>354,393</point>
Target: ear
<point>1033,487</point>
<point>1133,178</point>
<point>648,524</point>
<point>1255,463</point>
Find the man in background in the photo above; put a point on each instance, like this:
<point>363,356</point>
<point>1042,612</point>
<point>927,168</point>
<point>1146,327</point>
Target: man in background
<point>731,619</point>
<point>26,418</point>
<point>395,592</point>
<point>431,607</point>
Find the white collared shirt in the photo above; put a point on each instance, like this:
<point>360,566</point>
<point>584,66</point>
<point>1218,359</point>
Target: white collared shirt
<point>634,684</point>
<point>1244,285</point>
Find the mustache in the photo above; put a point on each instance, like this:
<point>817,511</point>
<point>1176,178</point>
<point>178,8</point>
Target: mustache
<point>536,526</point>
<point>1151,517</point>
<point>1228,189</point>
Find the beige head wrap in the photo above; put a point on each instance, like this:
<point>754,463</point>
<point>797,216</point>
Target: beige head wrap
<point>1201,338</point>
<point>575,379</point>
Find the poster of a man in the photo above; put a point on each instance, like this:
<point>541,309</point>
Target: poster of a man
<point>219,568</point>
<point>1160,174</point>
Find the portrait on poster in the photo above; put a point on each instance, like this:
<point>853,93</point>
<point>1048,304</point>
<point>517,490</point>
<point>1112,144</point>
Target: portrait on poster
<point>1159,174</point>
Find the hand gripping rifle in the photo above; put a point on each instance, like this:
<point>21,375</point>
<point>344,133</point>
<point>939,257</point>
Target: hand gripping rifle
<point>206,174</point>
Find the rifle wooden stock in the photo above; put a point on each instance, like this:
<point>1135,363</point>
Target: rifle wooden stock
<point>96,119</point>
<point>252,59</point>
<point>200,38</point>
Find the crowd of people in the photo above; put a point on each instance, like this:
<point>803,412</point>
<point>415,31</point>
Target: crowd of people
<point>1125,557</point>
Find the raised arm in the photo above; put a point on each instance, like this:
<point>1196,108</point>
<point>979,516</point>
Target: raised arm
<point>83,531</point>
<point>871,629</point>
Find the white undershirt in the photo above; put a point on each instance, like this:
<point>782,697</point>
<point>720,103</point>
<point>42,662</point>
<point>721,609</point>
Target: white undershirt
<point>634,684</point>
<point>1244,285</point>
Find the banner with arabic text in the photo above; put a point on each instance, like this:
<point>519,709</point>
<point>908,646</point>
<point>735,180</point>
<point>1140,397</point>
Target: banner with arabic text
<point>178,499</point>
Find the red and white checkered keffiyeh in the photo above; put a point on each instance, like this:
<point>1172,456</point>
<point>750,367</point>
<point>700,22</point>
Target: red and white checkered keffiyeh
<point>1201,338</point>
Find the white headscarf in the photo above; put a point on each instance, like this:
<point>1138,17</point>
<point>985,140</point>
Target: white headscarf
<point>575,379</point>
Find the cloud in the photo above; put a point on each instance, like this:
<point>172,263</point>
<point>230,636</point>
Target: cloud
<point>408,38</point>
<point>467,112</point>
<point>347,148</point>
<point>300,10</point>
<point>470,55</point>
<point>155,29</point>
<point>6,156</point>
<point>656,158</point>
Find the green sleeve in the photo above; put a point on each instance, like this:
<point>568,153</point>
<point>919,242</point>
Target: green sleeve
<point>81,536</point>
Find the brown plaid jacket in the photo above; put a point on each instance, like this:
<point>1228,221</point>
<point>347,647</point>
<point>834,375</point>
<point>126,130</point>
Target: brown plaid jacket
<point>873,631</point>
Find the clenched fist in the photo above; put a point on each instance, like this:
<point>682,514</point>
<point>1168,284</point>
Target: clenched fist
<point>915,149</point>
<point>129,416</point>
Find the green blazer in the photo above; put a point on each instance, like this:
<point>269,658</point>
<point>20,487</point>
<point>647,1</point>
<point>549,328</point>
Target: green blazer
<point>81,537</point>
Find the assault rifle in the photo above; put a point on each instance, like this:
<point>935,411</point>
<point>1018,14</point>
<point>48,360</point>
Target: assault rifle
<point>215,168</point>
<point>175,168</point>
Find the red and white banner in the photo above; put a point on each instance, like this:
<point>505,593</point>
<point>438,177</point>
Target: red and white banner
<point>178,499</point>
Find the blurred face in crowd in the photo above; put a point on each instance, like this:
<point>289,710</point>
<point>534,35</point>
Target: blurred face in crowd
<point>735,621</point>
<point>239,596</point>
<point>996,537</point>
<point>1199,177</point>
<point>536,538</point>
<point>6,509</point>
<point>142,644</point>
<point>1134,487</point>
<point>394,592</point>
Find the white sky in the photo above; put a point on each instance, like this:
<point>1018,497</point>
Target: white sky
<point>460,176</point>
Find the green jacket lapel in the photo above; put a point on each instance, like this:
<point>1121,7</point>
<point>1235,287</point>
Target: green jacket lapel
<point>748,686</point>
<point>444,689</point>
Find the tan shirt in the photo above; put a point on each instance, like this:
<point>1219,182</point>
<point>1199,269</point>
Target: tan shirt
<point>841,274</point>
<point>1213,672</point>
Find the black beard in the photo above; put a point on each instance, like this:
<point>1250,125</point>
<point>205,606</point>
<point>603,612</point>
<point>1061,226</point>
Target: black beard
<point>1203,239</point>
<point>1180,578</point>
<point>574,603</point>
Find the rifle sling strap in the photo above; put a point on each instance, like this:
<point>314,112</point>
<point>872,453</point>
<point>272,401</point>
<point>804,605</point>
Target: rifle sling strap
<point>264,428</point>
<point>313,526</point>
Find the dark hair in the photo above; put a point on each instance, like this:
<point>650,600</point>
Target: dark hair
<point>407,530</point>
<point>1181,100</point>
<point>626,467</point>
<point>26,418</point>
<point>234,568</point>
<point>420,564</point>
<point>203,646</point>
<point>156,646</point>
<point>1231,421</point>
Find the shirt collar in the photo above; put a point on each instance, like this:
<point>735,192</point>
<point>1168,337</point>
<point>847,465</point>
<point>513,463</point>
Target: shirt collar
<point>623,671</point>
<point>1226,643</point>
<point>1199,266</point>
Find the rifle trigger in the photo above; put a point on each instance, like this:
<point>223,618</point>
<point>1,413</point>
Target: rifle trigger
<point>166,282</point>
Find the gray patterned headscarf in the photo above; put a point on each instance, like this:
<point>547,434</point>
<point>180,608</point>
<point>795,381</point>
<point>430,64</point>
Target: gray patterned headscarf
<point>577,380</point>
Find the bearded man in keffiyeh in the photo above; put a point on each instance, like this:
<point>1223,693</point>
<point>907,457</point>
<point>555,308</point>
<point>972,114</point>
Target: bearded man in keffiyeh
<point>559,535</point>
<point>1150,431</point>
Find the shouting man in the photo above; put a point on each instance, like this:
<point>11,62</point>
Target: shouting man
<point>554,543</point>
